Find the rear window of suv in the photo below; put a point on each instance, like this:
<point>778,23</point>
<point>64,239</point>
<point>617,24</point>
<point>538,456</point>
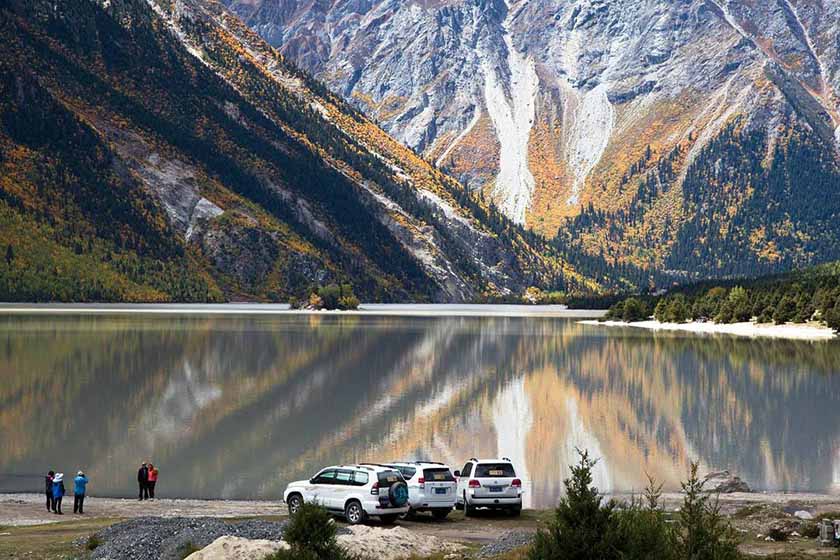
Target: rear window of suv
<point>489,470</point>
<point>438,475</point>
<point>407,472</point>
<point>387,478</point>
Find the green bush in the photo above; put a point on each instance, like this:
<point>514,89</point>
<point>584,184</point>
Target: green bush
<point>93,542</point>
<point>635,310</point>
<point>311,536</point>
<point>334,296</point>
<point>585,527</point>
<point>582,526</point>
<point>703,532</point>
<point>643,530</point>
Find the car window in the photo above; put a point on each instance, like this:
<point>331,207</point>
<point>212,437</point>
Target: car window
<point>407,472</point>
<point>503,470</point>
<point>387,478</point>
<point>466,470</point>
<point>438,475</point>
<point>325,477</point>
<point>344,477</point>
<point>360,478</point>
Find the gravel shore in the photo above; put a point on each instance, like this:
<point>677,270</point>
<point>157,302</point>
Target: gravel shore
<point>153,538</point>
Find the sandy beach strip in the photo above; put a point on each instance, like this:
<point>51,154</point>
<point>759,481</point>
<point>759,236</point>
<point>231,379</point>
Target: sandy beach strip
<point>807,332</point>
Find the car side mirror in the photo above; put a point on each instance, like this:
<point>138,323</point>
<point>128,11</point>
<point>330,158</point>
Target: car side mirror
<point>457,474</point>
<point>312,480</point>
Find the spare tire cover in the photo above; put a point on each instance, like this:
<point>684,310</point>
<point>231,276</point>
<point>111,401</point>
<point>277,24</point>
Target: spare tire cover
<point>398,494</point>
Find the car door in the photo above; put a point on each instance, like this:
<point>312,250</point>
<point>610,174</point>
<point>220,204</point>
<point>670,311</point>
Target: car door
<point>341,489</point>
<point>322,486</point>
<point>464,480</point>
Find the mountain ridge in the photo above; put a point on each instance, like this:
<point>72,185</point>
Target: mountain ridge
<point>264,181</point>
<point>617,90</point>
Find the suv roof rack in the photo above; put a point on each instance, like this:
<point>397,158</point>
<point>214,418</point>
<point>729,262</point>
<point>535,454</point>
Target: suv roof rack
<point>376,465</point>
<point>473,460</point>
<point>506,459</point>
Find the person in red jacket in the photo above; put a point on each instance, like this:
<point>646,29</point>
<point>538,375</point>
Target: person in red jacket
<point>153,477</point>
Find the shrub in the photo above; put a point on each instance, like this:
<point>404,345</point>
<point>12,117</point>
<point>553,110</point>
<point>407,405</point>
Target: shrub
<point>311,536</point>
<point>643,530</point>
<point>635,310</point>
<point>703,532</point>
<point>93,542</point>
<point>582,526</point>
<point>832,318</point>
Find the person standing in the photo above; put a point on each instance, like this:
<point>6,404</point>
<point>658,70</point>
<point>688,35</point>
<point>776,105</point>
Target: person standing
<point>58,492</point>
<point>143,481</point>
<point>79,488</point>
<point>153,476</point>
<point>48,482</point>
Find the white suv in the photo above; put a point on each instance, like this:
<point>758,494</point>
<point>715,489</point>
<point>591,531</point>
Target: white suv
<point>354,491</point>
<point>431,487</point>
<point>489,483</point>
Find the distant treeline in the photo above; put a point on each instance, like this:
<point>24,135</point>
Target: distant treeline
<point>809,295</point>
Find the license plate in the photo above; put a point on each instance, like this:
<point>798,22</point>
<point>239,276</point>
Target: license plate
<point>440,490</point>
<point>496,488</point>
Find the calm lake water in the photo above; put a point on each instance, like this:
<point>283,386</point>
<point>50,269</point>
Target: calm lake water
<point>235,406</point>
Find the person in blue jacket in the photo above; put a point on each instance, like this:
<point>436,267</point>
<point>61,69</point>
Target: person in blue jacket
<point>79,487</point>
<point>58,492</point>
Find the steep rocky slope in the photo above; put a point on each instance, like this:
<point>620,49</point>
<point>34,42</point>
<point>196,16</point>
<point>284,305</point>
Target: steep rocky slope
<point>160,150</point>
<point>608,120</point>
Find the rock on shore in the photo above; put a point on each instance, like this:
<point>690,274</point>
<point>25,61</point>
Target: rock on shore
<point>237,548</point>
<point>725,483</point>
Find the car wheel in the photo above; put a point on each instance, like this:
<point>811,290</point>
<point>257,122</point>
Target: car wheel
<point>388,519</point>
<point>440,514</point>
<point>411,514</point>
<point>295,502</point>
<point>468,509</point>
<point>515,511</point>
<point>354,513</point>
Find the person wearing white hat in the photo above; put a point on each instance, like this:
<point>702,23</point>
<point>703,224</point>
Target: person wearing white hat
<point>79,489</point>
<point>58,492</point>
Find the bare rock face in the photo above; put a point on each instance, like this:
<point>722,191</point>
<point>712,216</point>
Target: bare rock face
<point>545,104</point>
<point>725,483</point>
<point>237,548</point>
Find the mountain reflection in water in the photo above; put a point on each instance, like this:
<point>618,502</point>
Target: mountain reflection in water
<point>237,406</point>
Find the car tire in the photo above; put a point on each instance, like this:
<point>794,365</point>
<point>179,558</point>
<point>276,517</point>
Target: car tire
<point>440,514</point>
<point>389,519</point>
<point>411,514</point>
<point>294,502</point>
<point>515,511</point>
<point>353,512</point>
<point>468,509</point>
<point>398,494</point>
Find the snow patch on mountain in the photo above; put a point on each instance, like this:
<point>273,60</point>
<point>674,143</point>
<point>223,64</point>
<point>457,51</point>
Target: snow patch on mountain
<point>592,126</point>
<point>512,117</point>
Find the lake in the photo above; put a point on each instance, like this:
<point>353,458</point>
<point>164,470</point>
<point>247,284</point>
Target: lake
<point>236,405</point>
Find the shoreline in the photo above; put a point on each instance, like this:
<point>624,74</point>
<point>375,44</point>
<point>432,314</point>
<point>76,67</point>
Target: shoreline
<point>27,509</point>
<point>367,309</point>
<point>803,332</point>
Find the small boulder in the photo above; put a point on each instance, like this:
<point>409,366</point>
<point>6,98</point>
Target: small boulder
<point>236,548</point>
<point>802,514</point>
<point>724,482</point>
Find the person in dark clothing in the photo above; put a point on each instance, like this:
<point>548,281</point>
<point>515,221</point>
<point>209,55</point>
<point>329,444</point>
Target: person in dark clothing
<point>48,481</point>
<point>79,490</point>
<point>58,492</point>
<point>143,481</point>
